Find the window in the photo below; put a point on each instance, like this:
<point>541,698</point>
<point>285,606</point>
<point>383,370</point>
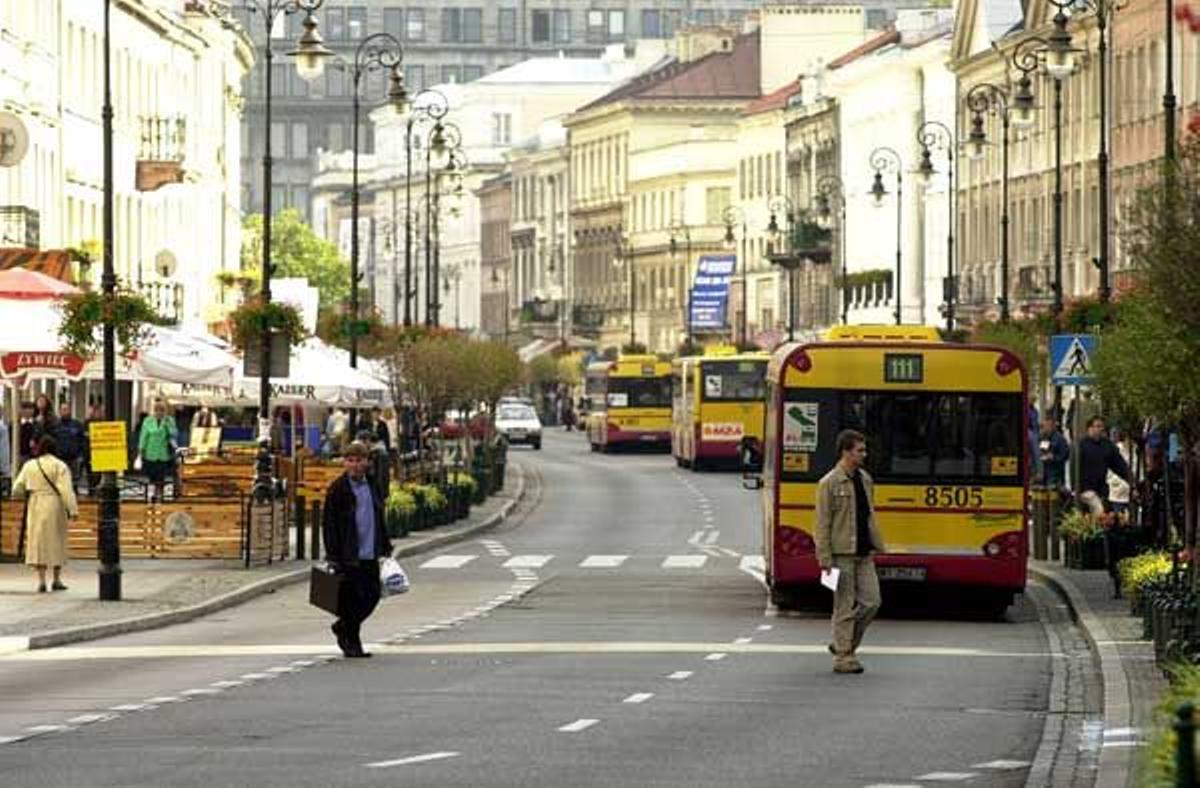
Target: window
<point>651,24</point>
<point>735,381</point>
<point>639,392</point>
<point>671,20</point>
<point>279,78</point>
<point>299,141</point>
<point>716,200</point>
<point>278,198</point>
<point>704,16</point>
<point>451,25</point>
<point>356,22</point>
<point>616,25</point>
<point>414,78</point>
<point>416,24</point>
<point>335,137</point>
<point>279,137</point>
<point>335,24</point>
<point>596,31</point>
<point>393,22</point>
<point>472,25</point>
<point>452,74</point>
<point>300,199</point>
<point>540,31</point>
<point>876,18</point>
<point>472,73</point>
<point>506,26</point>
<point>562,26</point>
<point>335,82</point>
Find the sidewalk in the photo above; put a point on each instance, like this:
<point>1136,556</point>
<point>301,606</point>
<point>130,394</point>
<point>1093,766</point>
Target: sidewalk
<point>162,592</point>
<point>1132,682</point>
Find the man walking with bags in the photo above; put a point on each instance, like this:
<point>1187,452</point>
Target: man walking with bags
<point>846,536</point>
<point>355,540</point>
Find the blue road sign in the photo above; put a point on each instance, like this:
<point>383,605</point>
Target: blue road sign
<point>1071,359</point>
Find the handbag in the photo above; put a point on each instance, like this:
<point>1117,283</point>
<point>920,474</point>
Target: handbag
<point>325,589</point>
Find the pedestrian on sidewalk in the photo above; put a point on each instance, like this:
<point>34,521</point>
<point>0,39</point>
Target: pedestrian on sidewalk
<point>71,439</point>
<point>1097,456</point>
<point>156,445</point>
<point>355,540</point>
<point>1053,453</point>
<point>46,481</point>
<point>846,537</point>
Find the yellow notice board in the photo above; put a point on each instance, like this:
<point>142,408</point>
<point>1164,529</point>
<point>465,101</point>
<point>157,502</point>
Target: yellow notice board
<point>109,451</point>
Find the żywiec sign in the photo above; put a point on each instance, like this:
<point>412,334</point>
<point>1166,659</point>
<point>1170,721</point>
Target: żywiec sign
<point>65,364</point>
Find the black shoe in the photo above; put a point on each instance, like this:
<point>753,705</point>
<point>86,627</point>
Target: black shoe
<point>343,642</point>
<point>358,654</point>
<point>57,586</point>
<point>41,588</point>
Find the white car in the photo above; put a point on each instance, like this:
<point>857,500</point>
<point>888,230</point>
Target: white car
<point>519,423</point>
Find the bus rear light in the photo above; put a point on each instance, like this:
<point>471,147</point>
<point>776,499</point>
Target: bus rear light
<point>793,542</point>
<point>1007,364</point>
<point>1006,545</point>
<point>801,361</point>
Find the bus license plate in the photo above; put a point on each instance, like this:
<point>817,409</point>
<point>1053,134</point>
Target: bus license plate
<point>649,437</point>
<point>912,573</point>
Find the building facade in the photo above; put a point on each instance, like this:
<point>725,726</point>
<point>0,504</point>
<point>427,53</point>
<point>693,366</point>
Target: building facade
<point>456,41</point>
<point>495,254</point>
<point>176,77</point>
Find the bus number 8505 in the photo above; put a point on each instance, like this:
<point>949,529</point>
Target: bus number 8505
<point>947,497</point>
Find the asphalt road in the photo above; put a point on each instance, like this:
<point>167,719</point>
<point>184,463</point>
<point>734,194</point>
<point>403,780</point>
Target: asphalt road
<point>612,633</point>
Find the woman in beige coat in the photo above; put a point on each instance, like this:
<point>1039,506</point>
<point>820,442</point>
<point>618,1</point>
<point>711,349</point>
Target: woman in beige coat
<point>47,481</point>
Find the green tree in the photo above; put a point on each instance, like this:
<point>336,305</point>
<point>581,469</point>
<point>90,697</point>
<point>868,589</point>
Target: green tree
<point>296,251</point>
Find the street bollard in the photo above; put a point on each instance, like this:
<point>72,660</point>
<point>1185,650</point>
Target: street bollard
<point>1185,746</point>
<point>316,530</point>
<point>1055,507</point>
<point>300,535</point>
<point>1041,521</point>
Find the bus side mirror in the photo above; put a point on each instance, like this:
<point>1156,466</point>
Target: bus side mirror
<point>750,454</point>
<point>752,481</point>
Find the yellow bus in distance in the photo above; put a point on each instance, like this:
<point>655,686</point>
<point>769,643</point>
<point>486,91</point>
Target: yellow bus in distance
<point>946,428</point>
<point>719,403</point>
<point>629,402</point>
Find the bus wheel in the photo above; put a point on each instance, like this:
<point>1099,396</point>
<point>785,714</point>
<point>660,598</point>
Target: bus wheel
<point>994,606</point>
<point>787,597</point>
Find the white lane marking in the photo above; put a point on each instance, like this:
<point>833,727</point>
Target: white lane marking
<point>680,675</point>
<point>448,562</point>
<point>684,561</point>
<point>45,728</point>
<point>765,627</point>
<point>161,699</point>
<point>87,719</point>
<point>716,656</point>
<point>281,669</point>
<point>577,726</point>
<point>893,785</point>
<point>603,561</point>
<point>13,739</point>
<point>14,643</point>
<point>528,561</point>
<point>730,553</point>
<point>1124,744</point>
<point>201,691</point>
<point>639,697</point>
<point>131,707</point>
<point>1001,765</point>
<point>711,537</point>
<point>947,777</point>
<point>1122,733</point>
<point>227,684</point>
<point>755,566</point>
<point>742,641</point>
<point>430,756</point>
<point>257,676</point>
<point>695,538</point>
<point>303,663</point>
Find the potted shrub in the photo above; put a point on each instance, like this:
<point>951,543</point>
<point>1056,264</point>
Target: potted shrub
<point>399,512</point>
<point>1083,537</point>
<point>254,317</point>
<point>1141,572</point>
<point>85,314</point>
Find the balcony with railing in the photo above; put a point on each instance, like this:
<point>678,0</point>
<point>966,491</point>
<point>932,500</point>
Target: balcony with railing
<point>160,151</point>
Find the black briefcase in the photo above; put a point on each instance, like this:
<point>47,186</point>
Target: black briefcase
<point>325,589</point>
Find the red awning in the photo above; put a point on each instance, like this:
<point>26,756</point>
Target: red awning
<point>32,285</point>
<point>52,262</point>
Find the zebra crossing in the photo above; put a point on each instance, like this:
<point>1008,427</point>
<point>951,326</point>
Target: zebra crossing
<point>596,562</point>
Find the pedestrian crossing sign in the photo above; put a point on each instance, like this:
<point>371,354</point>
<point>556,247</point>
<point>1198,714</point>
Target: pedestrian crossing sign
<point>1071,359</point>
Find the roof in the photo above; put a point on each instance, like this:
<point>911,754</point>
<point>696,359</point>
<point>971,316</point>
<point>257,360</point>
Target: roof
<point>54,262</point>
<point>730,74</point>
<point>772,101</point>
<point>884,39</point>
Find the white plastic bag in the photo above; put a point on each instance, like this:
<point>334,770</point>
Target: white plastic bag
<point>392,578</point>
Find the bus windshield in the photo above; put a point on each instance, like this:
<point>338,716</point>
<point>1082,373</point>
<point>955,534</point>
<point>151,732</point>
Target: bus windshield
<point>639,392</point>
<point>734,381</point>
<point>950,436</point>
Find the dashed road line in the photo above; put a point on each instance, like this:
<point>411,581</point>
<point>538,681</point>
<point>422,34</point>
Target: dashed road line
<point>715,656</point>
<point>448,562</point>
<point>527,561</point>
<point>947,777</point>
<point>578,725</point>
<point>742,641</point>
<point>639,697</point>
<point>684,561</point>
<point>430,756</point>
<point>603,561</point>
<point>680,675</point>
<point>1002,765</point>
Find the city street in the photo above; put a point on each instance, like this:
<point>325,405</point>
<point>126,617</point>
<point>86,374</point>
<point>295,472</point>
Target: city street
<point>612,632</point>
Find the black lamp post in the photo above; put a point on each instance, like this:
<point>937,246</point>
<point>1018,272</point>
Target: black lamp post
<point>932,135</point>
<point>309,55</point>
<point>988,98</point>
<point>1168,99</point>
<point>108,541</point>
<point>732,216</point>
<point>376,51</point>
<point>496,281</point>
<point>680,229</point>
<point>883,160</point>
<point>446,143</point>
<point>830,190</point>
<point>431,106</point>
<point>623,256</point>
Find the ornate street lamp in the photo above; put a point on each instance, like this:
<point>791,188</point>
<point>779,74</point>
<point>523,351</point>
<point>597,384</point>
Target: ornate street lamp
<point>443,154</point>
<point>886,160</point>
<point>935,135</point>
<point>679,229</point>
<point>982,99</point>
<point>375,52</point>
<point>623,256</point>
<point>496,281</point>
<point>830,192</point>
<point>733,215</point>
<point>428,106</point>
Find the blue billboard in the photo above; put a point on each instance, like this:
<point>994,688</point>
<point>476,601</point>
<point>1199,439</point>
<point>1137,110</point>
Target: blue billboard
<point>709,297</point>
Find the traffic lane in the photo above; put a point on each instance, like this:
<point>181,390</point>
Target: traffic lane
<point>52,686</point>
<point>759,719</point>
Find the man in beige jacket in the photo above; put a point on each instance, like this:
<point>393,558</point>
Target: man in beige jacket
<point>846,536</point>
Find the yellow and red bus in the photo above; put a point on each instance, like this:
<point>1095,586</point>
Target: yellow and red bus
<point>945,426</point>
<point>630,402</point>
<point>719,403</point>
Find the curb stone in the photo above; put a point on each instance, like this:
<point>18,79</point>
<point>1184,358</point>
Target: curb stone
<point>1115,762</point>
<point>62,637</point>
